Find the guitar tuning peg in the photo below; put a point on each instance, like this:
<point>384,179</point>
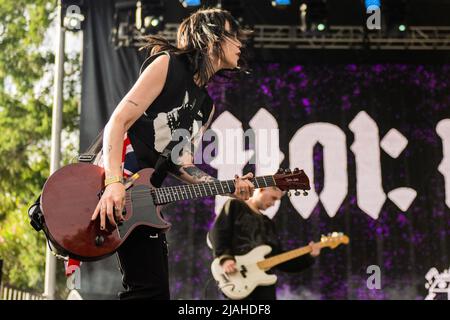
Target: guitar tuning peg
<point>305,193</point>
<point>297,193</point>
<point>296,170</point>
<point>287,171</point>
<point>289,194</point>
<point>280,170</point>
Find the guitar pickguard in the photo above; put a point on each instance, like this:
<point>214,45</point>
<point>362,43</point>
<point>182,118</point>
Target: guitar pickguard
<point>142,210</point>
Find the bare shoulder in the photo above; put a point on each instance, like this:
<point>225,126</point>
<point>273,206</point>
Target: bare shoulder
<point>155,74</point>
<point>159,65</point>
<point>146,89</point>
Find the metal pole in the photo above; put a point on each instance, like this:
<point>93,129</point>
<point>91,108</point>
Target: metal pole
<point>50,261</point>
<point>1,274</point>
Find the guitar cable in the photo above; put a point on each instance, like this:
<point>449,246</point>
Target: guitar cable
<point>218,287</point>
<point>205,289</point>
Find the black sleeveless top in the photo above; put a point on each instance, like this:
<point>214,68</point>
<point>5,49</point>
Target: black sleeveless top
<point>153,131</point>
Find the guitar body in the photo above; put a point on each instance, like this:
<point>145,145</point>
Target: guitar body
<point>241,283</point>
<point>68,200</point>
<point>71,194</point>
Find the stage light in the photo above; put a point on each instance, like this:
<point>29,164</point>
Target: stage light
<point>314,14</point>
<point>152,21</point>
<point>190,3</point>
<point>152,24</point>
<point>281,3</point>
<point>136,18</point>
<point>396,17</point>
<point>372,3</point>
<point>73,19</point>
<point>150,16</point>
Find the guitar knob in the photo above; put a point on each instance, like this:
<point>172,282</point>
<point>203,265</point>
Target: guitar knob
<point>305,193</point>
<point>99,240</point>
<point>289,194</point>
<point>297,193</point>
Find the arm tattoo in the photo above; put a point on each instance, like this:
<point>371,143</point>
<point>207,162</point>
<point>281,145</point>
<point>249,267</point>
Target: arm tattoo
<point>198,174</point>
<point>192,173</point>
<point>132,102</point>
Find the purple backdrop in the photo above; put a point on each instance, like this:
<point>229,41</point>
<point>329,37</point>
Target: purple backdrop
<point>405,245</point>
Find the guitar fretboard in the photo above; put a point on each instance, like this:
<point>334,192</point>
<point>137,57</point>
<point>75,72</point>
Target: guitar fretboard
<point>192,191</point>
<point>269,263</point>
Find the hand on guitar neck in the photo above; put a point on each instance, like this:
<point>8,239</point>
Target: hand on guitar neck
<point>229,265</point>
<point>243,186</point>
<point>315,248</point>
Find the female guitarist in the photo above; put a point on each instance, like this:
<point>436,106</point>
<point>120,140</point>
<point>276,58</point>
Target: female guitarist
<point>172,83</point>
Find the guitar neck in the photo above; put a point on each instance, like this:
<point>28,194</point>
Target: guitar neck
<point>192,191</point>
<point>271,262</point>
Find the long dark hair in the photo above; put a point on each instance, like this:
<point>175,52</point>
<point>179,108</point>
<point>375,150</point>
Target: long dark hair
<point>202,31</point>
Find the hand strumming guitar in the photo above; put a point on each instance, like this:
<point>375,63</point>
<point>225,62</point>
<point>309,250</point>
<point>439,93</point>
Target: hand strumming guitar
<point>229,266</point>
<point>110,204</point>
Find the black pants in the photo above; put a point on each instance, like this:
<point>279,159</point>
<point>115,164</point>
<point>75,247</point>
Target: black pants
<point>263,293</point>
<point>144,265</point>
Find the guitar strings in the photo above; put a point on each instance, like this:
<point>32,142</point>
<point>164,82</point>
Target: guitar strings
<point>204,185</point>
<point>189,191</point>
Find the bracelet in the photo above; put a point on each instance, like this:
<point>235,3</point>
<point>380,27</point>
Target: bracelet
<point>113,179</point>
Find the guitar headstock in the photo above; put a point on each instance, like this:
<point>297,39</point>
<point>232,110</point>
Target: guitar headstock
<point>285,179</point>
<point>334,239</point>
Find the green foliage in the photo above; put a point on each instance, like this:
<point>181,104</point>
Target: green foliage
<point>26,88</point>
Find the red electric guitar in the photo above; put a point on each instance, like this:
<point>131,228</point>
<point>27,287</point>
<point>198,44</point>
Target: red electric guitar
<point>71,194</point>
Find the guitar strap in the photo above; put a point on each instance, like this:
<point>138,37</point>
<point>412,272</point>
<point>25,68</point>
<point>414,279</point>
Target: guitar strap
<point>164,163</point>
